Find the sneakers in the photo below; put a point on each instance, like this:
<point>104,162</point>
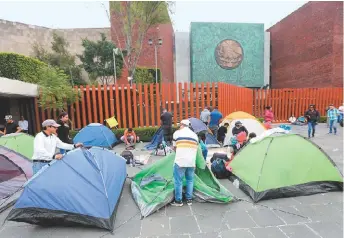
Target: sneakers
<point>177,203</point>
<point>189,202</point>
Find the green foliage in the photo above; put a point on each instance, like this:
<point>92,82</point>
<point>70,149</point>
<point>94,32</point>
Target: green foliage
<point>20,67</point>
<point>137,17</point>
<point>323,120</point>
<point>145,133</point>
<point>261,120</point>
<point>59,57</point>
<point>97,59</point>
<point>55,88</point>
<point>146,75</point>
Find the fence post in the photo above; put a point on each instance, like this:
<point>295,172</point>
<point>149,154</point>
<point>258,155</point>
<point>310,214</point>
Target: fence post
<point>158,103</point>
<point>106,102</point>
<point>100,104</point>
<point>151,92</point>
<point>192,114</point>
<point>141,111</point>
<point>146,103</point>
<point>118,109</point>
<point>89,104</point>
<point>135,106</point>
<point>180,100</point>
<point>77,106</point>
<point>175,113</point>
<point>83,108</point>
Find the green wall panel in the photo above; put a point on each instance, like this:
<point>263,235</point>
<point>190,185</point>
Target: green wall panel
<point>239,60</point>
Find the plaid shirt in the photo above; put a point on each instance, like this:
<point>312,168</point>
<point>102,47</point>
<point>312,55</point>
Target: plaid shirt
<point>332,114</point>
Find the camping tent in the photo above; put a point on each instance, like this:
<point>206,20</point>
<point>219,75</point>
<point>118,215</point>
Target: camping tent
<point>198,126</point>
<point>210,141</point>
<point>15,170</point>
<point>284,165</point>
<point>153,188</point>
<point>96,134</point>
<point>237,115</point>
<point>252,125</point>
<point>86,194</point>
<point>19,142</point>
<point>156,140</point>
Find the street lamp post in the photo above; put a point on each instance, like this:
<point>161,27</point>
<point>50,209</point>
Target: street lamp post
<point>156,44</point>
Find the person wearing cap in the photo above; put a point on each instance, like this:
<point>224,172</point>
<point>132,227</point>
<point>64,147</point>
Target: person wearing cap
<point>45,144</point>
<point>11,126</point>
<point>185,142</point>
<point>239,128</point>
<point>332,115</point>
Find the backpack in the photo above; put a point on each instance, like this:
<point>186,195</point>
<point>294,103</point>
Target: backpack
<point>218,165</point>
<point>128,155</point>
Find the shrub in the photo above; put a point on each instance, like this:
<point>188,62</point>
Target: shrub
<point>322,119</point>
<point>145,133</point>
<point>146,75</point>
<point>20,67</point>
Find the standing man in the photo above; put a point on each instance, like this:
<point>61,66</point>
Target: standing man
<point>63,130</point>
<point>205,115</point>
<point>332,115</point>
<point>24,125</point>
<point>11,126</point>
<point>215,118</point>
<point>185,142</point>
<point>45,144</point>
<point>166,123</point>
<point>312,117</point>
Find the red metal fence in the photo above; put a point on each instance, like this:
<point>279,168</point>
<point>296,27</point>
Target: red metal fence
<point>140,105</point>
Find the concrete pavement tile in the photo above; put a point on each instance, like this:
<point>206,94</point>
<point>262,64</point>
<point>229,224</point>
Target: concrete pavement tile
<point>208,209</point>
<point>129,229</point>
<point>242,205</point>
<point>175,236</point>
<point>184,225</point>
<point>26,232</point>
<point>206,235</point>
<point>214,223</point>
<point>267,232</point>
<point>298,231</point>
<point>334,197</point>
<point>290,215</point>
<point>172,211</point>
<point>231,188</point>
<point>280,202</point>
<point>237,233</point>
<point>155,226</point>
<point>327,229</point>
<point>239,219</point>
<point>84,232</point>
<point>265,217</point>
<point>320,198</point>
<point>327,212</point>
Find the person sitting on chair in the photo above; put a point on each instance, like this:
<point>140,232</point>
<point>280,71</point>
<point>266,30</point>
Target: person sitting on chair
<point>129,137</point>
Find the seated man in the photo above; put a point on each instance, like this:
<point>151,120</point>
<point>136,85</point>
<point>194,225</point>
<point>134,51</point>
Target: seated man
<point>129,137</point>
<point>239,128</point>
<point>221,133</point>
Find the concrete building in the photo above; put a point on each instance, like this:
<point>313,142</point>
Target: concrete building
<point>307,47</point>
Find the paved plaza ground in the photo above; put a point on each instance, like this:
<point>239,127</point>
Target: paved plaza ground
<point>318,215</point>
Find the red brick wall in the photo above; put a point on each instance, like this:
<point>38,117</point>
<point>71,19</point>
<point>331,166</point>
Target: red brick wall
<point>147,57</point>
<point>307,47</point>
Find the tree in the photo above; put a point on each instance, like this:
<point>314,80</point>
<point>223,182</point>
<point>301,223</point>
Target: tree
<point>55,88</point>
<point>59,57</point>
<point>97,59</point>
<point>135,18</point>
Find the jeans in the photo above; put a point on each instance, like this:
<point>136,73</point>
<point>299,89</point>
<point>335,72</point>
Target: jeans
<point>214,129</point>
<point>36,166</point>
<point>333,124</point>
<point>311,128</point>
<point>178,175</point>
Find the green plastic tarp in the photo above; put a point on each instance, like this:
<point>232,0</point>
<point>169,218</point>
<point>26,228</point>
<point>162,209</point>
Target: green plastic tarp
<point>19,142</point>
<point>153,187</point>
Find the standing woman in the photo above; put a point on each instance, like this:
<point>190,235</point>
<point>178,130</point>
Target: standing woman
<point>268,117</point>
<point>63,129</point>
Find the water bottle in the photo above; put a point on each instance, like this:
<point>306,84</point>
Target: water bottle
<point>236,183</point>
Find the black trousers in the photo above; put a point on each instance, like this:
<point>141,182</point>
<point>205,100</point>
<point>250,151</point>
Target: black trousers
<point>167,133</point>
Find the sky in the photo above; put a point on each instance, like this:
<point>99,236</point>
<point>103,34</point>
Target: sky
<point>93,14</point>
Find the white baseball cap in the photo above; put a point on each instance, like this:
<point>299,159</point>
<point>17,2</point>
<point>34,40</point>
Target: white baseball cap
<point>50,122</point>
<point>185,122</point>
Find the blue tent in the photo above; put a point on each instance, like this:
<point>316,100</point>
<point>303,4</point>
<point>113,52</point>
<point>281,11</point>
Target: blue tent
<point>156,140</point>
<point>210,141</point>
<point>197,125</point>
<point>83,188</point>
<point>96,134</point>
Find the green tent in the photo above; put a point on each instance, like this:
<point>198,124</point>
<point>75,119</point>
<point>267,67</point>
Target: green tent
<point>285,165</point>
<point>19,142</point>
<point>153,187</point>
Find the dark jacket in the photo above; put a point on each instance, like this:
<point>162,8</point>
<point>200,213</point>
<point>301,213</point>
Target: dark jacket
<point>236,131</point>
<point>312,116</point>
<point>166,119</point>
<point>63,132</point>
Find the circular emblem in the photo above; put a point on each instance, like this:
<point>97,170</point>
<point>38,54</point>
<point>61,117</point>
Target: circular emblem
<point>229,54</point>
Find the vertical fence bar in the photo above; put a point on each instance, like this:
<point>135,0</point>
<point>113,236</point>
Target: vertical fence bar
<point>112,102</point>
<point>197,100</point>
<point>202,96</point>
<point>163,96</point>
<point>259,103</point>
<point>284,104</point>
<point>297,104</point>
<point>175,110</point>
<point>151,92</point>
<point>158,102</point>
<point>136,124</point>
<point>169,103</point>
<point>100,105</point>
<point>77,106</point>
<point>145,88</point>
<point>180,100</point>
<point>208,94</point>
<point>83,107</point>
<point>186,101</point>
<point>213,98</point>
<point>88,103</point>
<point>320,105</point>
<point>118,109</point>
<point>129,106</point>
<point>106,102</point>
<point>94,100</point>
<point>38,124</point>
<point>192,104</point>
<point>123,106</point>
<point>141,111</point>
